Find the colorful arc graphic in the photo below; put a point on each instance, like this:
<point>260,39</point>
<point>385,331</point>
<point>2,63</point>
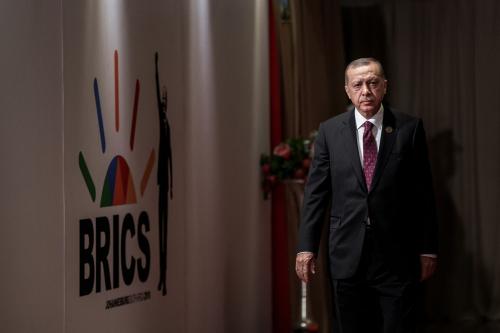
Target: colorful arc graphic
<point>118,187</point>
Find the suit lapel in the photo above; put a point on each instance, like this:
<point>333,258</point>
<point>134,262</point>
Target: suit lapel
<point>351,146</point>
<point>387,139</point>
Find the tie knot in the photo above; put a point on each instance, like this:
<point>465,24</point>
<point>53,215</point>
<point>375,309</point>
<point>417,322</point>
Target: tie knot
<point>368,126</point>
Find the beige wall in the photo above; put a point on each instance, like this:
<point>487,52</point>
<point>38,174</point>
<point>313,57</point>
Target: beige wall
<point>31,169</point>
<point>219,244</point>
<point>228,247</point>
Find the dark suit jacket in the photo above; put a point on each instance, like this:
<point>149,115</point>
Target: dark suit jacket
<point>400,204</point>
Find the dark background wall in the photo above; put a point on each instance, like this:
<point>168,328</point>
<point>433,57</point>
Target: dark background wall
<point>439,59</point>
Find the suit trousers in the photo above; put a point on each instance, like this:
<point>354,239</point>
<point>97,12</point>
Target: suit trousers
<point>377,298</point>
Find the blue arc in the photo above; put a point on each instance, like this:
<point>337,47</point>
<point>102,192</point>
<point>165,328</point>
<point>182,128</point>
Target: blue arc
<point>99,115</point>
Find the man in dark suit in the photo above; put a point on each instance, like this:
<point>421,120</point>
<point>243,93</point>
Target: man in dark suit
<point>372,163</point>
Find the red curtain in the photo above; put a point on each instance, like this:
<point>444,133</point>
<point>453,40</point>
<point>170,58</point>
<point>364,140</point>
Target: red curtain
<point>280,282</point>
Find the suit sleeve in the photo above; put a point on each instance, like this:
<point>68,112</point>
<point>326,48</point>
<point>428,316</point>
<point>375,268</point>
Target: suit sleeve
<point>428,242</point>
<point>316,196</point>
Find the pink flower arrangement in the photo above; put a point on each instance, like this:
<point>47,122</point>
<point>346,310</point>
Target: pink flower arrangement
<point>283,150</point>
<point>290,160</point>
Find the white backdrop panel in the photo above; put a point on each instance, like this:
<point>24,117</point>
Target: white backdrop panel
<point>102,38</point>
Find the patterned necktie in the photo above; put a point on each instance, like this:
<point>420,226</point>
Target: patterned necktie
<point>369,153</point>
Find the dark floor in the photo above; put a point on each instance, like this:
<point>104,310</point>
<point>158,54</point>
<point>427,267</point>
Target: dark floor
<point>465,327</point>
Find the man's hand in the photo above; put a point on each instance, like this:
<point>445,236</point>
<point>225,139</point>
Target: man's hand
<point>428,267</point>
<point>305,264</point>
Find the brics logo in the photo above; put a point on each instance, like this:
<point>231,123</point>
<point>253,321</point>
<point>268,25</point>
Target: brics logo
<point>108,256</point>
<point>118,187</point>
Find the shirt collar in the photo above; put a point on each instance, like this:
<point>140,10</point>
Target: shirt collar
<point>376,119</point>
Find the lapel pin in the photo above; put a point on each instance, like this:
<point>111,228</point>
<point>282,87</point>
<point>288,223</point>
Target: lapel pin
<point>388,129</point>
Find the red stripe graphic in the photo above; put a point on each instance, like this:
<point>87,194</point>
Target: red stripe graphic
<point>134,115</point>
<point>117,96</point>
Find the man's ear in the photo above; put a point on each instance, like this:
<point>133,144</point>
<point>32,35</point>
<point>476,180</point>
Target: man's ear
<point>347,91</point>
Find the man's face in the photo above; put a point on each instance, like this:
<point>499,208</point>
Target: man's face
<point>366,88</point>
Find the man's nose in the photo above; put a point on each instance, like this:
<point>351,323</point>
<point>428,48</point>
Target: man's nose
<point>365,89</point>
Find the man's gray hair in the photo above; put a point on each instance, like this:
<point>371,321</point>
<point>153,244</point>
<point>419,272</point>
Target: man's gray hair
<point>364,62</point>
